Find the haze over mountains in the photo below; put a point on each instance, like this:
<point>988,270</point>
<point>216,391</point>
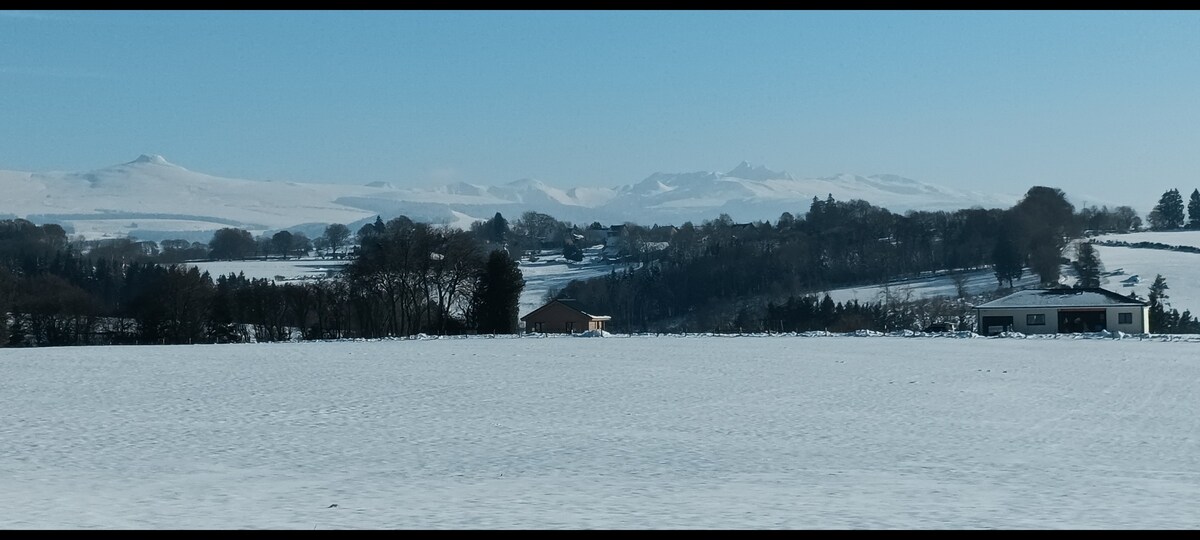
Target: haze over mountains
<point>154,199</point>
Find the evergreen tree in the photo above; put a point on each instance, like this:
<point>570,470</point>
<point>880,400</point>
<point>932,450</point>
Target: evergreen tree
<point>786,221</point>
<point>571,252</point>
<point>1194,210</point>
<point>497,294</point>
<point>8,291</point>
<point>1168,213</point>
<point>1158,305</point>
<point>1088,265</point>
<point>497,228</point>
<point>827,312</point>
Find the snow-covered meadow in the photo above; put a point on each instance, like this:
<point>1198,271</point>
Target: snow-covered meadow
<point>273,269</point>
<point>619,432</point>
<point>940,285</point>
<point>1180,268</point>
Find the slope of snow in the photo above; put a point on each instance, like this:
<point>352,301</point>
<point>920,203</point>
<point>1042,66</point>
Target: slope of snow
<point>673,198</point>
<point>462,221</point>
<point>616,433</point>
<point>272,269</point>
<point>141,228</point>
<point>1181,270</point>
<point>942,285</point>
<point>551,272</point>
<point>152,188</point>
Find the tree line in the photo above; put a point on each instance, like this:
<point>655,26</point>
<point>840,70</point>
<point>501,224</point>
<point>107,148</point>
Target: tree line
<point>1168,215</point>
<point>725,275</point>
<point>406,278</point>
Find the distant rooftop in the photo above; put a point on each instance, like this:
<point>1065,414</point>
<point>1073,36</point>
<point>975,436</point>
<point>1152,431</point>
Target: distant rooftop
<point>577,306</point>
<point>573,304</point>
<point>1036,298</point>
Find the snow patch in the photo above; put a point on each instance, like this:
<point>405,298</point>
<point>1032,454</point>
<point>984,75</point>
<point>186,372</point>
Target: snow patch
<point>593,333</point>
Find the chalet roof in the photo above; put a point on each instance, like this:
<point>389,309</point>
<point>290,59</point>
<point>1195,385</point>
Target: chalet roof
<point>571,303</point>
<point>1046,298</point>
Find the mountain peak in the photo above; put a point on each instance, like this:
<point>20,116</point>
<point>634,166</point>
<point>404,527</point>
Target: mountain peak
<point>153,159</point>
<point>527,183</point>
<point>750,172</point>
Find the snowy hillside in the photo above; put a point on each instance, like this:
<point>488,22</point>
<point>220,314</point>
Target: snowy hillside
<point>612,433</point>
<point>934,286</point>
<point>1133,269</point>
<point>149,195</point>
<point>750,193</point>
<point>1126,270</point>
<point>154,199</point>
<point>552,272</point>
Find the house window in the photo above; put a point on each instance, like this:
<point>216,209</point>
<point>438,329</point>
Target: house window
<point>1035,319</point>
<point>1124,318</point>
<point>570,326</point>
<point>537,327</point>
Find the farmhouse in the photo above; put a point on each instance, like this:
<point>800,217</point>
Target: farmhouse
<point>1063,311</point>
<point>563,316</point>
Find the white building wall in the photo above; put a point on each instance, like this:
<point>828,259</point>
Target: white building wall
<point>1018,315</point>
<point>1140,324</point>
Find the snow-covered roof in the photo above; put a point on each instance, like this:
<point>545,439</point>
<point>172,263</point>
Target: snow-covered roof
<point>1043,298</point>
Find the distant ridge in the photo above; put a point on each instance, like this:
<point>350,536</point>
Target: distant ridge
<point>101,202</point>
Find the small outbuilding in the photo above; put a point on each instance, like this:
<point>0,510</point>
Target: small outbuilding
<point>1063,311</point>
<point>563,316</point>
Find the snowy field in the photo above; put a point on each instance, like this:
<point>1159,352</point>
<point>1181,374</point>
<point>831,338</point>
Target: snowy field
<point>975,282</point>
<point>1181,270</point>
<point>290,270</point>
<point>98,229</point>
<point>620,432</point>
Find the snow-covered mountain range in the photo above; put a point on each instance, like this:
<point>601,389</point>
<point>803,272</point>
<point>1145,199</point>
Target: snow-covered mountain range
<point>154,199</point>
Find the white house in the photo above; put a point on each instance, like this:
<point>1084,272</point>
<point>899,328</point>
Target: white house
<point>1063,311</point>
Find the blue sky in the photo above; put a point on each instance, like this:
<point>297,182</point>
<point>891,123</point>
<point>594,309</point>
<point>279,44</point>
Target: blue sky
<point>1101,102</point>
